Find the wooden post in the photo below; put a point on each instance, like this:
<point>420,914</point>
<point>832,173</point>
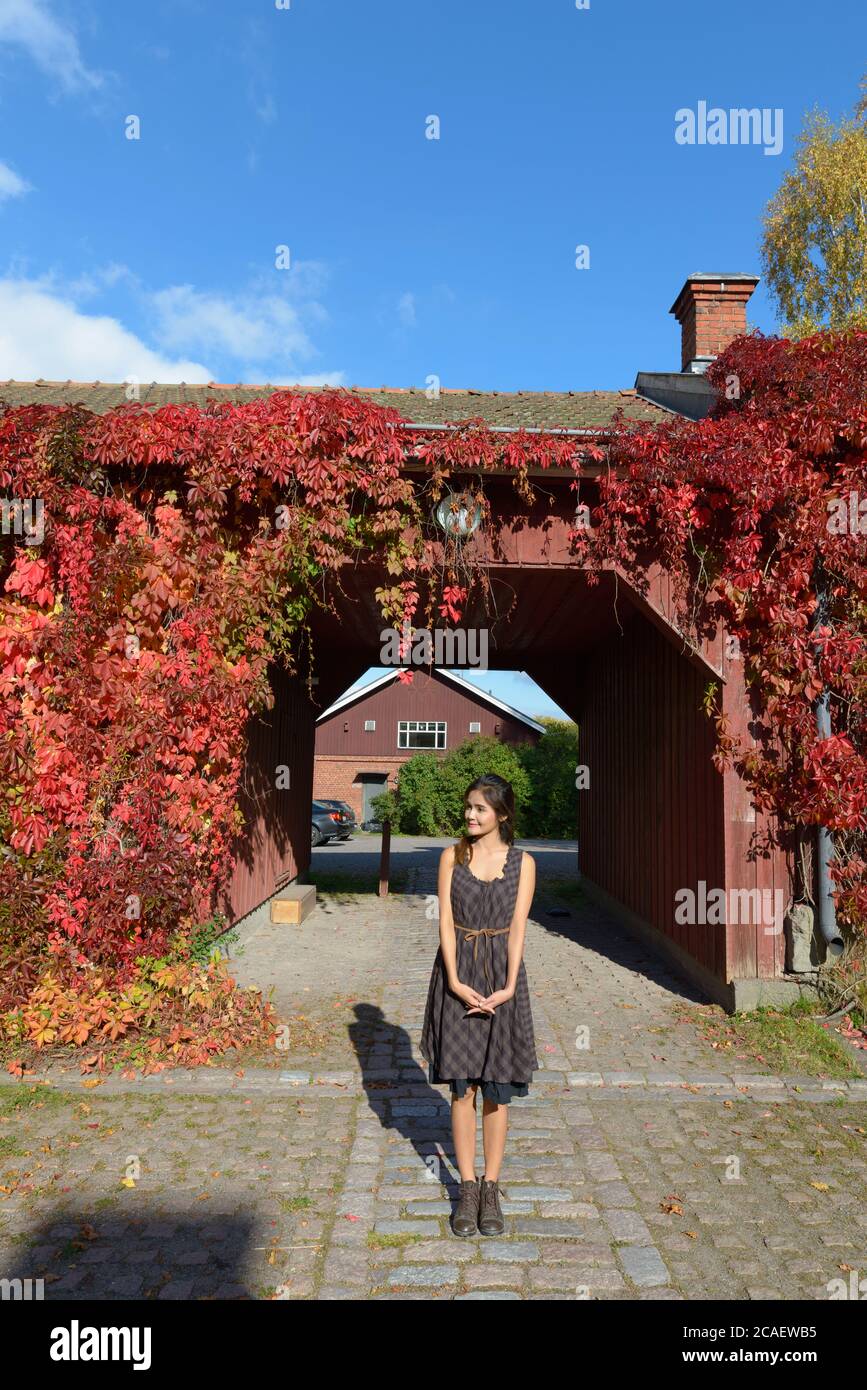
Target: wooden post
<point>384,856</point>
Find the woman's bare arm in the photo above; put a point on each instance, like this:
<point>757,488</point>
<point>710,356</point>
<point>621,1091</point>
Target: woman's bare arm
<point>523,903</point>
<point>448,943</point>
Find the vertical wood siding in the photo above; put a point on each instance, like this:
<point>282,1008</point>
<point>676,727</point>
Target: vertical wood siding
<point>275,844</point>
<point>651,821</point>
<point>752,951</point>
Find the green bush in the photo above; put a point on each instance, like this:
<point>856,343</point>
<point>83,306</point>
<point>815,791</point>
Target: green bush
<point>471,759</point>
<point>552,809</point>
<point>430,791</point>
<point>415,808</point>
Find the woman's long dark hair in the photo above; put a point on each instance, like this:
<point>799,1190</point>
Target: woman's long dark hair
<point>502,798</point>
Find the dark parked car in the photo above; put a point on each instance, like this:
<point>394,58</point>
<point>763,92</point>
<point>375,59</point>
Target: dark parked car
<point>326,824</point>
<point>347,817</point>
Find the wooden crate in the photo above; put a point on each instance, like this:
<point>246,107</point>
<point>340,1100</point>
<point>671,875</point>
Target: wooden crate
<point>293,904</point>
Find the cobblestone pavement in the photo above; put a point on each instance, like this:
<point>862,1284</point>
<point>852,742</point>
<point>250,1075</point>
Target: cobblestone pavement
<point>637,1168</point>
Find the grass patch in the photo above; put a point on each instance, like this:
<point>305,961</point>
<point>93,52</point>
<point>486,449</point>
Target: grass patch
<point>566,891</point>
<point>295,1203</point>
<point>781,1039</point>
<point>14,1098</point>
<point>812,1126</point>
<point>389,1242</point>
<point>338,884</point>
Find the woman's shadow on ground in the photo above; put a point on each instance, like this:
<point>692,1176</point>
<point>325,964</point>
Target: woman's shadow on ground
<point>401,1096</point>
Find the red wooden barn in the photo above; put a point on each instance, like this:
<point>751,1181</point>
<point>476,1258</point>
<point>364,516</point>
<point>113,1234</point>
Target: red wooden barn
<point>659,829</point>
<point>364,737</point>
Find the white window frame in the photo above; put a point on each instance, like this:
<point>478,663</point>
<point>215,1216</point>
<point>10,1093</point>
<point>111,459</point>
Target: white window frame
<point>406,727</point>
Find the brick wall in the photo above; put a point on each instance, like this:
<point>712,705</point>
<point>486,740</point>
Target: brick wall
<point>333,778</point>
<point>711,312</point>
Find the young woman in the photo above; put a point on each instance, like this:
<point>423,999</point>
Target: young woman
<point>478,1027</point>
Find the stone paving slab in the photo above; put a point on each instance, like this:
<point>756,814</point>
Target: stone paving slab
<point>414,1099</point>
<point>633,1171</point>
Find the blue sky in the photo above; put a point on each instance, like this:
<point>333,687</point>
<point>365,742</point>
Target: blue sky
<point>305,127</point>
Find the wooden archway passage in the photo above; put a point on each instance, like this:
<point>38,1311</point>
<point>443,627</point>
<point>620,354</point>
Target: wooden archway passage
<point>657,817</point>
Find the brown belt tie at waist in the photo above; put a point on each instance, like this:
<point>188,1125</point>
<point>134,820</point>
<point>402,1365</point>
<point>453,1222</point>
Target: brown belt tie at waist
<point>473,935</point>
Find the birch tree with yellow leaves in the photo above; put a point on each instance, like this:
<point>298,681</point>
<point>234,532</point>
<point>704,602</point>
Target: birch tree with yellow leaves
<point>814,243</point>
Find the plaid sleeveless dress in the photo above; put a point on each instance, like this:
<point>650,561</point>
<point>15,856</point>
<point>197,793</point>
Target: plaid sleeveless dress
<point>497,1053</point>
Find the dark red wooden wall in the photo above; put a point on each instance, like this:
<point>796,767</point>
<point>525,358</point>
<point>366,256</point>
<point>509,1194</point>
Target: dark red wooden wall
<point>651,821</point>
<point>658,817</point>
<point>275,843</point>
<point>428,696</point>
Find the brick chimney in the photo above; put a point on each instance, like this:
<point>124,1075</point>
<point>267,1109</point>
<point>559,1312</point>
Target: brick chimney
<point>711,311</point>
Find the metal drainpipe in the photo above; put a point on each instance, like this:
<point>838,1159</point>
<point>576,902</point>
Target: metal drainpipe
<point>826,913</point>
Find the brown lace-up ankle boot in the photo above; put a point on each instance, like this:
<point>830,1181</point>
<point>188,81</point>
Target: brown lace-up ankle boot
<point>491,1222</point>
<point>466,1215</point>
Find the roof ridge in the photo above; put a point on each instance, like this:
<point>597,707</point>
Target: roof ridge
<point>270,386</point>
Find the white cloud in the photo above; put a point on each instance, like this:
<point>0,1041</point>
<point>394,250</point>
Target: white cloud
<point>197,336</point>
<point>266,108</point>
<point>95,281</point>
<point>43,334</point>
<point>260,330</point>
<point>258,327</point>
<point>11,184</point>
<point>50,43</point>
<point>311,379</point>
<point>250,326</point>
<point>254,49</point>
<point>406,309</point>
<point>442,291</point>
